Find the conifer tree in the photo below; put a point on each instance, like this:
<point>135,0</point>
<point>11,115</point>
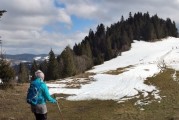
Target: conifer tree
<point>43,67</point>
<point>23,74</point>
<point>68,61</point>
<point>6,72</point>
<point>34,68</point>
<point>60,65</point>
<point>2,12</point>
<point>122,19</point>
<point>88,49</point>
<point>108,51</point>
<point>149,33</point>
<point>77,49</point>
<point>52,69</point>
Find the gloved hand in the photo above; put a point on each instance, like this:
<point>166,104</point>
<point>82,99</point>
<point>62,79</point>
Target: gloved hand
<point>54,101</point>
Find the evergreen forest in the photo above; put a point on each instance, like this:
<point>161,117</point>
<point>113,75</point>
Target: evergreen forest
<point>105,43</point>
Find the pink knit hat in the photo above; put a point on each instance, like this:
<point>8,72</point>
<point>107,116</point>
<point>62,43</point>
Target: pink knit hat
<point>39,74</point>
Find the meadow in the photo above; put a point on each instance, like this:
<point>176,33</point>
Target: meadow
<point>13,104</point>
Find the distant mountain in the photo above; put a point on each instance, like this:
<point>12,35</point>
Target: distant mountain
<point>25,57</point>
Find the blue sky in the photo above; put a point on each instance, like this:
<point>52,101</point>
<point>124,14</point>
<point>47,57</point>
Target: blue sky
<point>79,24</point>
<point>59,4</point>
<point>36,26</point>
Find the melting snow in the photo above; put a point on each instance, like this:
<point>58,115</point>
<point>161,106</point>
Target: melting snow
<point>146,59</point>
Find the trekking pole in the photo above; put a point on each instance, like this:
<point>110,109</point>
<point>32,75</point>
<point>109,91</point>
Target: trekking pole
<point>59,108</point>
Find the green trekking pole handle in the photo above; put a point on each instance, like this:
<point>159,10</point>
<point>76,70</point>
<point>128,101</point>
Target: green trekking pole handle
<point>59,107</point>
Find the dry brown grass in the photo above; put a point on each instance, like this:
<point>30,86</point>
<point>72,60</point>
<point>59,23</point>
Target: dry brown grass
<point>13,104</point>
<point>14,107</point>
<point>118,70</point>
<point>84,75</point>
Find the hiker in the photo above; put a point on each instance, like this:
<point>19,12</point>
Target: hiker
<point>39,108</point>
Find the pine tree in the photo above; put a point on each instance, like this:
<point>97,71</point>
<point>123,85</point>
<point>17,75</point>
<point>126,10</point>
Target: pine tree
<point>149,32</point>
<point>60,65</point>
<point>2,12</point>
<point>174,30</point>
<point>77,49</point>
<point>43,67</point>
<point>6,72</point>
<point>108,51</point>
<point>34,68</point>
<point>68,61</point>
<point>130,18</point>
<point>125,40</point>
<point>52,69</point>
<point>122,19</point>
<point>23,74</point>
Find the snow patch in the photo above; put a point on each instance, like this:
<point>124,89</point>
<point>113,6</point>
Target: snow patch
<point>146,59</point>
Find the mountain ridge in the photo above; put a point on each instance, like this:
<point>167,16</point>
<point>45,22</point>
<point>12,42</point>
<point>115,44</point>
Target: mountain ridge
<point>24,56</point>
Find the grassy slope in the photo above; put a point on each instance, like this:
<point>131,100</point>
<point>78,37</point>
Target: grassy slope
<point>13,105</point>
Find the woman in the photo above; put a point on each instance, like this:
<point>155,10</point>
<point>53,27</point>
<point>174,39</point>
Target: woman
<point>40,109</point>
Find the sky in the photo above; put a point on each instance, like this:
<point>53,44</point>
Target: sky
<point>129,83</point>
<point>37,26</point>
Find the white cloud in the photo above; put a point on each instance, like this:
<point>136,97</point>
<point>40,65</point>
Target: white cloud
<point>110,11</point>
<point>38,42</point>
<point>85,10</point>
<point>23,26</point>
<point>63,17</point>
<point>32,13</point>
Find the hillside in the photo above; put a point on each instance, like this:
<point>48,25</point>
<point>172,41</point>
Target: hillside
<point>139,85</point>
<point>124,77</point>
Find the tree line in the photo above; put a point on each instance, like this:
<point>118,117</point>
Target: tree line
<point>104,44</point>
<point>101,45</point>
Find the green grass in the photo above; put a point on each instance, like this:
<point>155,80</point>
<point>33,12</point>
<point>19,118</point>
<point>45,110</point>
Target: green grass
<point>14,107</point>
